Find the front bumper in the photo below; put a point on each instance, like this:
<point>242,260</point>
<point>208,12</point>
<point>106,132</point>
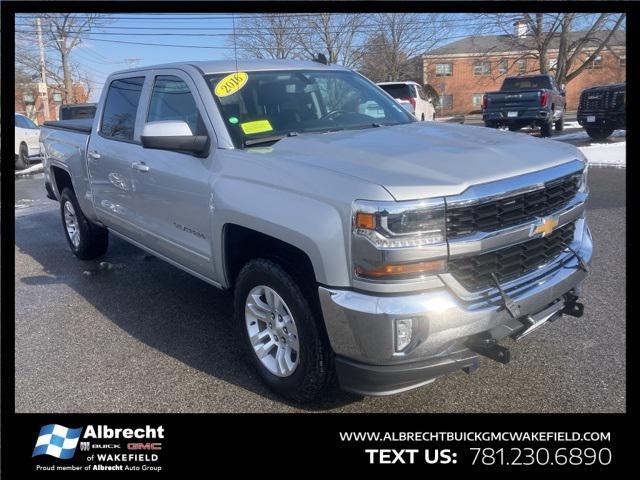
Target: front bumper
<point>361,326</point>
<point>602,119</point>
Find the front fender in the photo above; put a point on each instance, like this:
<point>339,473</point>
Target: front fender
<point>314,226</point>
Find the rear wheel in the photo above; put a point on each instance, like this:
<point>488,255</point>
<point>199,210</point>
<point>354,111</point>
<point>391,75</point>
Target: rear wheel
<point>546,129</point>
<point>423,117</point>
<point>281,336</point>
<point>86,239</point>
<point>599,133</point>
<point>22,159</point>
<point>514,128</point>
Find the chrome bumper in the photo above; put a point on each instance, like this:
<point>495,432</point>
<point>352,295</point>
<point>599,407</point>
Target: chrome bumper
<point>361,326</point>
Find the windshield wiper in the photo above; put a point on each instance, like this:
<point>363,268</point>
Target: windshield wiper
<point>271,139</point>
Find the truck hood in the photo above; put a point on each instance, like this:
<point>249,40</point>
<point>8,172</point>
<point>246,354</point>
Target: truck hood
<point>425,159</point>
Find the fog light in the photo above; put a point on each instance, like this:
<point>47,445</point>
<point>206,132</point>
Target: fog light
<point>403,333</point>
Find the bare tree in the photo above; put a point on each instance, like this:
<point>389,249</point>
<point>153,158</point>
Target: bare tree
<point>571,37</point>
<point>334,35</point>
<point>398,39</point>
<point>62,33</point>
<point>266,36</point>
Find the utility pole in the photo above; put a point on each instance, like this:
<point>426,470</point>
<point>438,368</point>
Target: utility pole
<point>43,73</point>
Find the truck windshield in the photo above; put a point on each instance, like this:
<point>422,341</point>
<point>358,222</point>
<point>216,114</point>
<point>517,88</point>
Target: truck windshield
<point>525,83</point>
<point>271,104</point>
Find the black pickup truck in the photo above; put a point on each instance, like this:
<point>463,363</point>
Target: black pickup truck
<point>602,109</point>
<point>530,100</point>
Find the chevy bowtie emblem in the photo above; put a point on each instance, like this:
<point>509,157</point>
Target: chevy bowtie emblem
<point>545,226</point>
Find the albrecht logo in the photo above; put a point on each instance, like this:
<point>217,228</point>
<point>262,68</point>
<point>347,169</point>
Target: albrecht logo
<point>57,441</point>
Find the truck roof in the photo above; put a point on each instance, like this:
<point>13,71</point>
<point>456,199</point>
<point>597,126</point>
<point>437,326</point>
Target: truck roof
<point>222,66</point>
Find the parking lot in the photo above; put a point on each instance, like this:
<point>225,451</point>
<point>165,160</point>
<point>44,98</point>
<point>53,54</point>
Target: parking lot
<point>142,335</point>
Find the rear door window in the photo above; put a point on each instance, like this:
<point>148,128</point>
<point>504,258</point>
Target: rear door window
<point>120,108</point>
<point>399,90</point>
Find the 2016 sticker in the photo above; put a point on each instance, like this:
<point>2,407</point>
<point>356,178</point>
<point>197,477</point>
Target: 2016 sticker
<point>231,84</point>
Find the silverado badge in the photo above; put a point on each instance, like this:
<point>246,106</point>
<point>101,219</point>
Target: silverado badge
<point>544,226</point>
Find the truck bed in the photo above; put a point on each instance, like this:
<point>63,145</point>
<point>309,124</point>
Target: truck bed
<point>79,125</point>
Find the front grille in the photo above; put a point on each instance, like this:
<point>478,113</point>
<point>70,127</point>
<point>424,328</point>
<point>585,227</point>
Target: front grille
<point>610,99</point>
<point>513,210</point>
<point>508,263</point>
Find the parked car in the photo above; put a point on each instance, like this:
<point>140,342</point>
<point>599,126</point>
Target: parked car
<point>73,111</point>
<point>603,109</point>
<point>370,245</point>
<point>414,94</point>
<point>528,100</point>
<point>27,146</point>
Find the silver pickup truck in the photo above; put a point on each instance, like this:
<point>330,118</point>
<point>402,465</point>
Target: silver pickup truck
<point>358,242</point>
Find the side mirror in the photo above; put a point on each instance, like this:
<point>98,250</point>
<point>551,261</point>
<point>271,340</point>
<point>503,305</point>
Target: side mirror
<point>172,135</point>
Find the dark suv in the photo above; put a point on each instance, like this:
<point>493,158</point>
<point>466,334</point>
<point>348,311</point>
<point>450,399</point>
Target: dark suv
<point>602,109</point>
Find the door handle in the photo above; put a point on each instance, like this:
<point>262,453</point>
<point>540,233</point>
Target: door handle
<point>95,155</point>
<point>141,167</point>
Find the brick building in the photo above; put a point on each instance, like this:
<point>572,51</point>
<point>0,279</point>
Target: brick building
<point>463,70</point>
<point>29,102</point>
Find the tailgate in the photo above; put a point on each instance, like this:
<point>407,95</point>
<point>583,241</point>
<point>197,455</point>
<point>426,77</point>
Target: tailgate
<point>516,100</point>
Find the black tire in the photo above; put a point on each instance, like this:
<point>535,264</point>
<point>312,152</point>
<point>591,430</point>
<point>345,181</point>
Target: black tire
<point>314,371</point>
<point>94,239</point>
<point>599,133</point>
<point>490,125</point>
<point>514,128</point>
<point>22,159</point>
<point>423,117</point>
<point>559,125</point>
<point>546,129</point>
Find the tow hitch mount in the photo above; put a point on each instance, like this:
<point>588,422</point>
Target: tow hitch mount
<point>572,307</point>
<point>489,348</point>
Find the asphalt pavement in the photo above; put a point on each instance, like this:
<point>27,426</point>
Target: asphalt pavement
<point>144,336</point>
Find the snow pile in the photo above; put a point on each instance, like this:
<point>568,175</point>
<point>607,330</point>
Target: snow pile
<point>609,154</point>
<point>33,169</point>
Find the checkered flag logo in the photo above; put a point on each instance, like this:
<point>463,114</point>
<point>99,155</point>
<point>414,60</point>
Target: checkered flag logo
<point>57,441</point>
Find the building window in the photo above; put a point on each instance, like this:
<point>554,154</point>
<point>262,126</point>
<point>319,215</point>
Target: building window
<point>476,99</point>
<point>444,69</point>
<point>622,60</point>
<point>446,102</point>
<point>521,66</point>
<point>552,64</point>
<point>503,66</point>
<point>596,62</point>
<point>482,68</point>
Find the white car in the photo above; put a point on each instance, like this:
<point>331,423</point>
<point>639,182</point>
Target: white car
<point>27,145</point>
<point>413,93</point>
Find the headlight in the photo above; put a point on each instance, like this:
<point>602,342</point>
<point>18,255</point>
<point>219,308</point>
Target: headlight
<point>400,224</point>
<point>398,240</point>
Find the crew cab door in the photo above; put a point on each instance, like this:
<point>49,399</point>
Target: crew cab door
<point>114,143</point>
<point>172,188</point>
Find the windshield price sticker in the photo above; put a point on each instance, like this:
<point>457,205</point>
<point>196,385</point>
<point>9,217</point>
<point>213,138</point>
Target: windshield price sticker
<point>258,126</point>
<point>231,84</point>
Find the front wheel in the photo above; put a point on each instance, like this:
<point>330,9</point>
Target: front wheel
<point>599,133</point>
<point>280,333</point>
<point>86,239</point>
<point>560,124</point>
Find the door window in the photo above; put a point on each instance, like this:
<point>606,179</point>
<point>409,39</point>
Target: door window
<point>121,105</point>
<point>172,100</point>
